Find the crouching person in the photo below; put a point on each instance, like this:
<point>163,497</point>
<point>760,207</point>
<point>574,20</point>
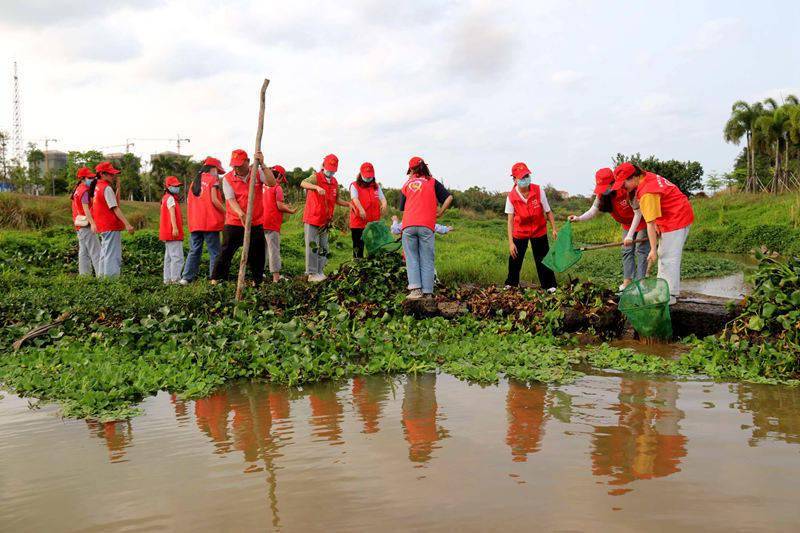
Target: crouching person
<point>170,230</point>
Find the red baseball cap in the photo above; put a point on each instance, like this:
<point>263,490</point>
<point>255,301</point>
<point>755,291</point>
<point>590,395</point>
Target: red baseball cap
<point>106,167</point>
<point>367,170</point>
<point>277,169</point>
<point>238,157</point>
<point>520,170</point>
<point>85,172</point>
<point>330,163</point>
<point>213,162</point>
<point>602,179</point>
<point>621,173</point>
<point>172,181</point>
<point>414,161</point>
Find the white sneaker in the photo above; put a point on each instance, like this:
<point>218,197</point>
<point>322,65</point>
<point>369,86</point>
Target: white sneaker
<point>551,290</point>
<point>184,282</point>
<point>316,278</point>
<point>414,294</point>
<point>622,288</point>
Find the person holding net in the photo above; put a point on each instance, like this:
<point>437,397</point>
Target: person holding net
<point>621,205</point>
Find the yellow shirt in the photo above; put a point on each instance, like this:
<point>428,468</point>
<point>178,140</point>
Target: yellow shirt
<point>650,205</point>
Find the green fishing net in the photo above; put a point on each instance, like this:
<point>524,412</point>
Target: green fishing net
<point>378,239</point>
<point>562,254</point>
<point>646,304</point>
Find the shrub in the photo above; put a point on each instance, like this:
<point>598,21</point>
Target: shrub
<point>36,217</point>
<point>11,215</point>
<point>138,220</point>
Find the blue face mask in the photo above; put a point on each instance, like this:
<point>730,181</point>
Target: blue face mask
<point>368,180</point>
<point>174,190</point>
<point>88,181</point>
<point>328,173</point>
<point>524,182</point>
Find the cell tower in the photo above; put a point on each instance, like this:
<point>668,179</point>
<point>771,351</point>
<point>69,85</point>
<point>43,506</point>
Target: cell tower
<point>17,133</point>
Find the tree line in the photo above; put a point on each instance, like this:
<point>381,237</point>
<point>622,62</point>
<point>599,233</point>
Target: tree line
<point>770,158</point>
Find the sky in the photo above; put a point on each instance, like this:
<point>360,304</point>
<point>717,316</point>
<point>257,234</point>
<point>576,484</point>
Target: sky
<point>472,86</point>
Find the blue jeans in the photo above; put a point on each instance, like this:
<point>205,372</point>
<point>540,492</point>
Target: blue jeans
<point>418,245</point>
<point>196,239</point>
<point>634,258</point>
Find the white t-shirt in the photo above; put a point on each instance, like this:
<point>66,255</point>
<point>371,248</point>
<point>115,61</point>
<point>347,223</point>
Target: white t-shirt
<point>227,190</point>
<point>354,192</point>
<point>171,201</point>
<point>542,199</point>
<point>111,197</point>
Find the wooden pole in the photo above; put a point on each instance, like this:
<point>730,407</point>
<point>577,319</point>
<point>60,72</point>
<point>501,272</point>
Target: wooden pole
<point>248,219</point>
<point>609,245</point>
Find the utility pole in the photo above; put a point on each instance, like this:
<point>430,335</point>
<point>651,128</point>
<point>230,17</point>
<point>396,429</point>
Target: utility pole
<point>17,126</point>
<point>179,141</point>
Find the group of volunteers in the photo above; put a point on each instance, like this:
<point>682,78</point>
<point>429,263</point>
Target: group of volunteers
<point>649,208</point>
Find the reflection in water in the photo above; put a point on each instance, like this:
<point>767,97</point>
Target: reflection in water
<point>775,412</point>
<point>117,436</point>
<point>211,416</point>
<point>420,417</point>
<point>646,443</point>
<point>326,411</point>
<point>368,396</point>
<point>526,418</point>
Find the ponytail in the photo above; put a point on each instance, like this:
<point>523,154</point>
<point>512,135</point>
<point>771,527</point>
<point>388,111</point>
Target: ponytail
<point>198,180</point>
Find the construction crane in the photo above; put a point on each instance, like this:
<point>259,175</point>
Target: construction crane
<point>127,146</point>
<point>178,140</point>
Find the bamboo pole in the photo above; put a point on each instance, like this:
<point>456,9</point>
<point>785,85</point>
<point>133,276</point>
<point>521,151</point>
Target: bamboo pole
<point>608,245</point>
<point>251,195</point>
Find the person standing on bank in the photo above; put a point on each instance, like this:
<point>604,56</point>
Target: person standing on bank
<point>235,189</point>
<point>668,214</point>
<point>206,215</point>
<point>622,207</point>
<point>322,197</point>
<point>88,243</point>
<point>528,213</point>
<point>420,198</point>
<point>274,209</point>
<point>368,204</point>
<point>109,220</point>
<point>170,230</point>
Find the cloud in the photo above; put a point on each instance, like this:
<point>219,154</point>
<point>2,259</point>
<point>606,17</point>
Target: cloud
<point>482,46</point>
<point>106,43</point>
<point>567,78</point>
<point>193,61</point>
<point>713,33</point>
<point>35,13</point>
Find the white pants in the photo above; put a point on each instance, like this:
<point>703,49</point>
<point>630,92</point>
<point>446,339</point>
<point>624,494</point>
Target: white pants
<point>670,253</point>
<point>88,252</point>
<point>110,254</point>
<point>173,261</point>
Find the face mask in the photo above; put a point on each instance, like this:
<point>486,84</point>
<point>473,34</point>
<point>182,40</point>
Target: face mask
<point>174,190</point>
<point>328,173</point>
<point>524,182</point>
<point>88,181</point>
<point>368,180</point>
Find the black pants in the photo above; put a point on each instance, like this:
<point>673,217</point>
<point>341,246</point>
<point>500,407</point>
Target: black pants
<point>232,240</point>
<point>358,242</point>
<point>540,247</point>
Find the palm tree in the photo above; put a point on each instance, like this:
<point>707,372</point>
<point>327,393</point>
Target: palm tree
<point>771,129</point>
<point>742,124</point>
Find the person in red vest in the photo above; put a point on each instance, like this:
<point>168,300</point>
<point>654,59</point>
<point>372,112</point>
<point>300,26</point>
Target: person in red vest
<point>528,212</point>
<point>322,197</point>
<point>367,205</point>
<point>109,220</point>
<point>667,212</point>
<point>206,214</point>
<point>88,243</point>
<point>170,230</point>
<point>621,205</point>
<point>236,190</point>
<point>274,209</point>
<point>420,198</point>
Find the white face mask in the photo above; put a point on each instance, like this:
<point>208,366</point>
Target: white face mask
<point>367,180</point>
<point>88,181</point>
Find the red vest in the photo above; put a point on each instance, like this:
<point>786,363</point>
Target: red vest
<point>529,220</point>
<point>368,196</point>
<point>203,216</point>
<point>77,206</point>
<point>623,212</point>
<point>103,216</point>
<point>676,211</point>
<point>272,217</point>
<point>165,224</point>
<point>420,209</point>
<point>319,209</point>
<point>241,192</point>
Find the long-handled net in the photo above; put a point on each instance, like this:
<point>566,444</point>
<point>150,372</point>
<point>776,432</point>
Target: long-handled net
<point>562,254</point>
<point>378,239</point>
<point>646,304</point>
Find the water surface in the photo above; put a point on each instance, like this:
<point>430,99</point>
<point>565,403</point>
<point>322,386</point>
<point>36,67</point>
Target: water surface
<point>613,452</point>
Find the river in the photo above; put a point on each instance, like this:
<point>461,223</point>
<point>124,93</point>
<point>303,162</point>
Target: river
<point>608,452</point>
